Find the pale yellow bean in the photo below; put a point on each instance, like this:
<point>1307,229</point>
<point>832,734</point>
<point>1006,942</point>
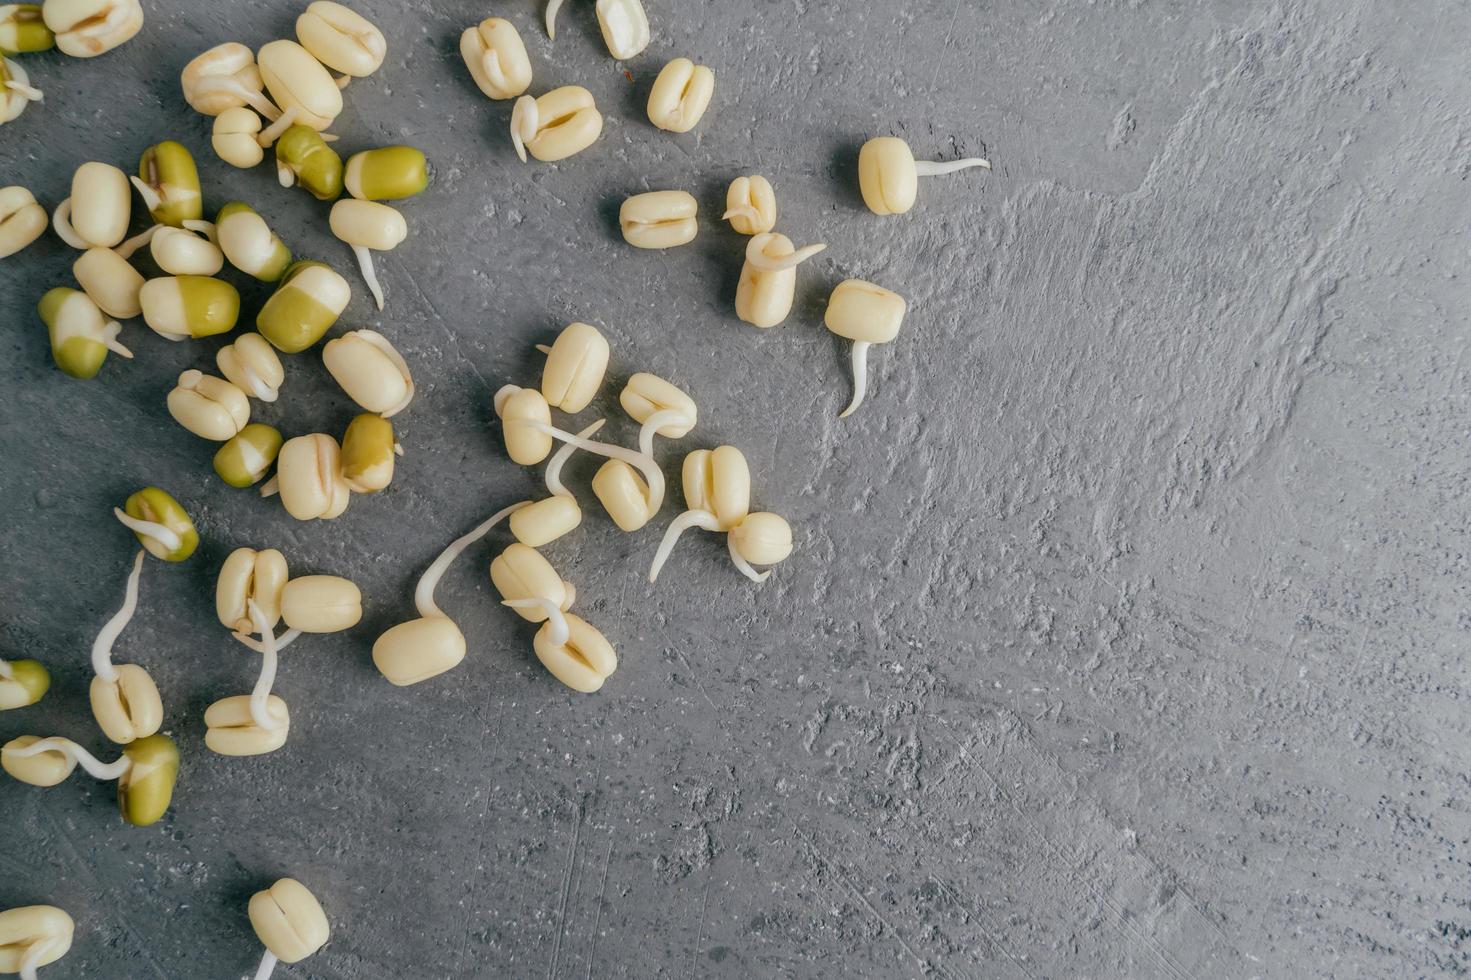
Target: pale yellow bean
<point>888,175</point>
<point>520,572</point>
<point>185,252</point>
<point>231,728</point>
<point>22,220</point>
<point>250,575</point>
<point>87,28</point>
<point>645,394</point>
<point>251,365</point>
<point>584,662</point>
<point>370,370</point>
<point>496,57</point>
<point>128,708</point>
<point>861,310</point>
<point>544,521</point>
<point>101,204</point>
<point>341,39</point>
<point>47,768</point>
<point>659,219</point>
<point>680,95</point>
<point>559,124</point>
<point>289,920</point>
<point>209,407</point>
<point>223,78</point>
<point>576,364</point>
<point>33,936</point>
<point>321,604</point>
<point>763,538</point>
<point>299,84</point>
<point>718,481</point>
<point>234,137</point>
<point>110,281</point>
<point>750,205</point>
<point>524,444</point>
<point>309,477</point>
<point>625,27</point>
<point>623,494</point>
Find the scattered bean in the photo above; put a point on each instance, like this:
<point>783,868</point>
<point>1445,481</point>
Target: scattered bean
<point>33,936</point>
<point>181,307</point>
<point>372,373</point>
<point>369,452</point>
<point>98,211</point>
<point>680,95</point>
<point>236,137</point>
<point>496,57</point>
<point>571,649</point>
<point>768,282</point>
<point>250,245</point>
<point>520,572</point>
<point>245,459</point>
<point>866,314</point>
<point>341,39</point>
<point>305,91</point>
<point>87,28</point>
<point>387,173</point>
<point>250,576</point>
<point>309,478</point>
<point>303,157</point>
<point>209,407</point>
<point>557,125</point>
<point>189,251</point>
<point>524,443</point>
<point>548,519</point>
<point>750,205</point>
<point>161,524</point>
<point>659,219</point>
<point>321,604</point>
<point>145,772</point>
<point>224,78</point>
<point>22,220</point>
<point>168,182</point>
<point>576,363</point>
<point>888,174</point>
<point>368,227</point>
<point>289,922</point>
<point>232,729</point>
<point>309,300</point>
<point>81,335</point>
<point>22,683</point>
<point>110,282</point>
<point>625,27</point>
<point>16,90</point>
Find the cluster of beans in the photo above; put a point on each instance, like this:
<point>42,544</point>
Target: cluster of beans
<point>287,96</point>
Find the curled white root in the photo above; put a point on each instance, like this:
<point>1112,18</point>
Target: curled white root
<point>643,462</point>
<point>424,592</point>
<point>110,330</point>
<point>654,425</point>
<point>151,198</point>
<point>158,532</point>
<point>925,168</point>
<point>552,7</point>
<point>127,248</point>
<point>758,258</point>
<point>560,630</point>
<point>78,756</point>
<point>860,377</point>
<point>365,264</point>
<point>61,221</point>
<point>282,642</point>
<point>743,211</point>
<point>690,518</point>
<point>271,487</point>
<point>525,122</point>
<point>268,136</point>
<point>555,486</point>
<point>260,697</point>
<point>113,628</point>
<point>739,561</point>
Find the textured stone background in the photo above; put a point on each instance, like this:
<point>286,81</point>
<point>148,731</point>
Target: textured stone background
<point>1125,632</point>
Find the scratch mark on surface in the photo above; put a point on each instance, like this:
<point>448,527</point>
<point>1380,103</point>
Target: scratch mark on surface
<point>592,952</point>
<point>566,891</point>
<point>449,334</point>
<point>945,48</point>
<point>700,934</point>
<point>985,929</point>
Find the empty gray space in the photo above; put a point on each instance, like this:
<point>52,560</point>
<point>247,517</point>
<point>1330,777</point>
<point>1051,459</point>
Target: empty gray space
<point>1124,633</point>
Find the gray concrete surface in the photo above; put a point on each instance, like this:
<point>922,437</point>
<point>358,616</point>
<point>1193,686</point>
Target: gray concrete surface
<point>1124,636</point>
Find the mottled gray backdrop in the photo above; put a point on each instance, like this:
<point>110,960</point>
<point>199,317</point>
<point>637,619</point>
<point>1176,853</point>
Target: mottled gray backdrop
<point>1124,634</point>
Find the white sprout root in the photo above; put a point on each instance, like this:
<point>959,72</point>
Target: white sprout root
<point>271,487</point>
<point>205,228</point>
<point>739,561</point>
<point>690,518</point>
<point>494,73</point>
<point>757,257</point>
<point>938,168</point>
<point>365,263</point>
<point>78,755</point>
<point>257,384</point>
<point>28,92</point>
<point>860,377</point>
<point>282,642</point>
<point>525,122</point>
<point>6,671</point>
<point>555,486</point>
<point>267,966</point>
<point>342,81</point>
<point>561,632</point>
<point>285,176</point>
<point>424,592</point>
<point>163,535</point>
<point>127,248</point>
<point>151,197</point>
<point>655,423</point>
<point>643,462</point>
<point>268,136</point>
<point>260,697</point>
<point>552,7</point>
<point>110,330</point>
<point>500,396</point>
<point>113,628</point>
<point>61,221</point>
<point>744,211</point>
